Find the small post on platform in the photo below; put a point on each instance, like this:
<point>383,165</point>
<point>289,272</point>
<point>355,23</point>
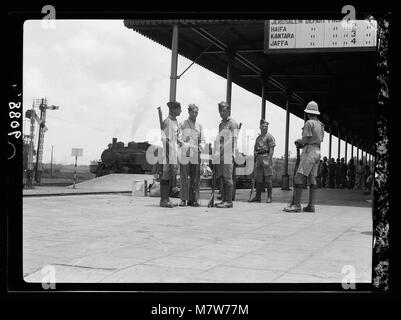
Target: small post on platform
<point>75,171</point>
<point>76,152</point>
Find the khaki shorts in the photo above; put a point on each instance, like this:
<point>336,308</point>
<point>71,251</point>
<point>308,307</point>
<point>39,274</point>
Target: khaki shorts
<point>262,166</point>
<point>309,162</point>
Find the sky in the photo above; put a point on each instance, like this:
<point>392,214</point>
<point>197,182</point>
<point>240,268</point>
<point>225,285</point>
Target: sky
<point>108,82</point>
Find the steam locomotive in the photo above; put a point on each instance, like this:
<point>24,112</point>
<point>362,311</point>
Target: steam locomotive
<point>119,158</point>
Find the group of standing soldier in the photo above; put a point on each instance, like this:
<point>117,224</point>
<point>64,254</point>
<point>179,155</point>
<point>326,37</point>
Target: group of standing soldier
<point>183,145</point>
<point>186,140</point>
<point>338,174</point>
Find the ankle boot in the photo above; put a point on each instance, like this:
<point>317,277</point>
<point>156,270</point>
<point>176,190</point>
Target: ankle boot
<point>257,197</point>
<point>164,195</point>
<point>269,194</point>
<point>228,191</point>
<point>312,195</point>
<point>222,191</point>
<point>296,204</point>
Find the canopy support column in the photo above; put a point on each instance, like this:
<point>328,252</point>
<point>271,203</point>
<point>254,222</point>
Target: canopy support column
<point>174,63</point>
<point>339,145</point>
<point>264,92</point>
<point>229,78</point>
<point>330,137</point>
<point>285,179</point>
<point>352,148</point>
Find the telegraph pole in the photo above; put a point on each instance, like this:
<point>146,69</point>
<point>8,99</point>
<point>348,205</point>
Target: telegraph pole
<point>51,165</point>
<point>43,107</point>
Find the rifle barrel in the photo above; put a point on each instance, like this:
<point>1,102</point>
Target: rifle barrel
<point>160,117</point>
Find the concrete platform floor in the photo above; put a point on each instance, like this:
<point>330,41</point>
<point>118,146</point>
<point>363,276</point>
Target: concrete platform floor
<point>118,238</point>
<point>111,183</point>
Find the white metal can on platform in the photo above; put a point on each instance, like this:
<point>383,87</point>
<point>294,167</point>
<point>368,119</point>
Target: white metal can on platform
<point>139,188</point>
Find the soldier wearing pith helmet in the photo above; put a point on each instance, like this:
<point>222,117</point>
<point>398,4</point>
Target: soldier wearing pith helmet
<point>312,137</point>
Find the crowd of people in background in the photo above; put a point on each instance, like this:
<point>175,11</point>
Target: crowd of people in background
<point>341,175</point>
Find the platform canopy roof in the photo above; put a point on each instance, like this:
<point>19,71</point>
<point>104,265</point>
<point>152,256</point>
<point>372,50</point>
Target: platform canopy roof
<point>343,83</point>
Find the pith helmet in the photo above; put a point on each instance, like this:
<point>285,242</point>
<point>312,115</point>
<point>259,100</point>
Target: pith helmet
<point>312,108</point>
<point>173,104</point>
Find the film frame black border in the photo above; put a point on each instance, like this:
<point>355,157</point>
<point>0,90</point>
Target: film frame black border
<point>381,209</point>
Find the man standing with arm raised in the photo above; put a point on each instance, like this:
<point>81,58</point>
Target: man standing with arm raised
<point>171,141</point>
<point>227,148</point>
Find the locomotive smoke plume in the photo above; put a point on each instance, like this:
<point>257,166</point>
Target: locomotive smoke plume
<point>144,105</point>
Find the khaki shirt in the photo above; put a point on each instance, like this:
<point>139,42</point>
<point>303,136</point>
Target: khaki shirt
<point>264,143</point>
<point>313,132</point>
<point>192,133</point>
<point>230,130</point>
<point>172,138</point>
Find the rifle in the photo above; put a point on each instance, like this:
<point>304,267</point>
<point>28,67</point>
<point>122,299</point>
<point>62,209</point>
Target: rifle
<point>211,200</point>
<point>159,109</point>
<point>213,167</point>
<point>253,180</point>
<point>234,170</point>
<point>295,171</point>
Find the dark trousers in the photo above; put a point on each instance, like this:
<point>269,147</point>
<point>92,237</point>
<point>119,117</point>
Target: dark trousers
<point>225,174</point>
<point>331,181</point>
<point>324,180</point>
<point>189,181</point>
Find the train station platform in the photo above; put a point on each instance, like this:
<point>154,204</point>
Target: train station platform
<point>111,183</point>
<point>113,238</point>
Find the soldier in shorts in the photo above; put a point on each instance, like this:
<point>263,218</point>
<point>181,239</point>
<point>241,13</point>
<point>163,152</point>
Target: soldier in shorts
<point>312,137</point>
<point>263,154</point>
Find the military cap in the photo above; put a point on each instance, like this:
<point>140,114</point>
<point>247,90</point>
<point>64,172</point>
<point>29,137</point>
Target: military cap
<point>192,106</point>
<point>262,121</point>
<point>173,104</point>
<point>223,104</point>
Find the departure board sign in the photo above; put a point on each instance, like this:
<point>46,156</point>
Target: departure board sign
<point>319,35</point>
